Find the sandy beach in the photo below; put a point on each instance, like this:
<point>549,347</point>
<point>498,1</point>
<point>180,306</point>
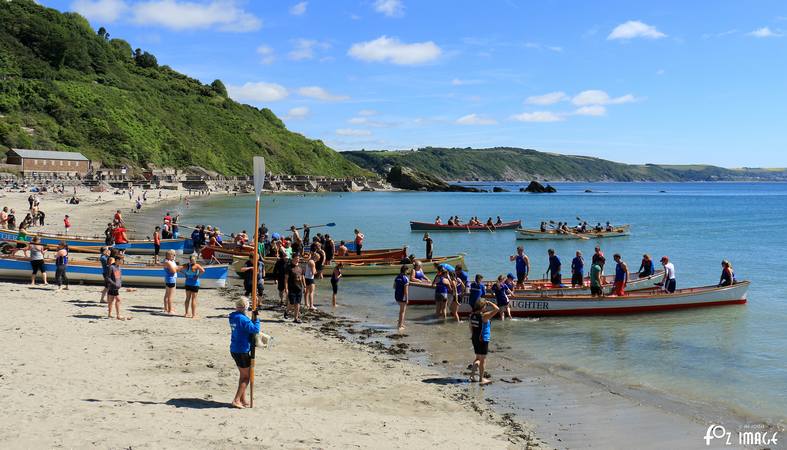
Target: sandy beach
<point>72,378</point>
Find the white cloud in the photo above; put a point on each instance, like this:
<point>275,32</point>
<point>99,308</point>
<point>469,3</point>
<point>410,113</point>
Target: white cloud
<point>298,8</point>
<point>598,97</point>
<point>547,99</point>
<point>305,49</point>
<point>358,121</point>
<point>353,132</point>
<point>537,116</point>
<point>106,11</point>
<point>591,110</point>
<point>385,49</point>
<point>460,82</point>
<point>536,45</point>
<point>319,93</point>
<point>224,15</point>
<point>367,112</point>
<point>635,29</point>
<point>299,112</point>
<point>267,55</point>
<point>391,8</point>
<point>475,119</point>
<point>258,92</point>
<point>765,32</point>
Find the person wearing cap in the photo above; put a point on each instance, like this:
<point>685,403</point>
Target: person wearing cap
<point>242,329</point>
<point>668,283</point>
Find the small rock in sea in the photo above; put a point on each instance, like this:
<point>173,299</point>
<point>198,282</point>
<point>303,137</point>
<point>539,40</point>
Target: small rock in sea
<point>588,191</point>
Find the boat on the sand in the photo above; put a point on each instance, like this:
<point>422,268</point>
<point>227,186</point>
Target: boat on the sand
<point>368,268</point>
<point>134,246</point>
<point>430,226</point>
<point>134,274</point>
<point>423,293</point>
<point>530,234</point>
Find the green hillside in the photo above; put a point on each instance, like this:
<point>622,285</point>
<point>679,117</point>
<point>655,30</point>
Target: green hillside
<point>505,163</point>
<point>64,86</point>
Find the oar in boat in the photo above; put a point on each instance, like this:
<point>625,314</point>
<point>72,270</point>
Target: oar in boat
<point>329,224</point>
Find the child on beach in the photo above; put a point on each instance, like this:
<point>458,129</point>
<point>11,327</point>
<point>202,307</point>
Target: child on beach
<point>156,244</point>
<point>481,333</point>
<point>192,271</point>
<point>115,280</point>
<point>401,293</point>
<point>171,270</point>
<point>240,347</point>
<point>335,277</point>
<point>66,223</point>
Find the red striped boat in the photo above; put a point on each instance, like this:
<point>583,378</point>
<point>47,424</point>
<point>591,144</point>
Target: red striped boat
<point>427,226</point>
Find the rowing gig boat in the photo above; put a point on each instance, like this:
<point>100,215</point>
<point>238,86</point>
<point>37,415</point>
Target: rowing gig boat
<point>375,268</point>
<point>423,293</point>
<point>635,302</point>
<point>529,234</point>
<point>134,246</point>
<point>134,274</point>
<point>426,226</point>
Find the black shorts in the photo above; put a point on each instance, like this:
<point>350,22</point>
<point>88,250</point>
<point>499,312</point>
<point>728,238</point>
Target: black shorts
<point>671,285</point>
<point>520,277</point>
<point>480,347</point>
<point>38,266</point>
<point>335,286</point>
<point>295,299</point>
<point>114,292</point>
<point>556,279</point>
<point>192,288</point>
<point>242,360</point>
<point>21,245</point>
<point>438,297</point>
<point>577,279</point>
<point>169,285</point>
<point>156,249</point>
<point>281,285</point>
<point>596,290</point>
<point>309,281</point>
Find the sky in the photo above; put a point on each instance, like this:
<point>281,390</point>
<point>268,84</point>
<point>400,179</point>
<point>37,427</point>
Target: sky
<point>671,82</point>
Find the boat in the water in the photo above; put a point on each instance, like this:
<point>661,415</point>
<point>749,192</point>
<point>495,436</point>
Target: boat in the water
<point>134,246</point>
<point>634,302</point>
<point>430,226</point>
<point>369,267</point>
<point>423,293</point>
<point>529,234</point>
<point>134,274</point>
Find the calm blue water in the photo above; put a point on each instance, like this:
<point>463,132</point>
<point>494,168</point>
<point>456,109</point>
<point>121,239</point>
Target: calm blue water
<point>732,357</point>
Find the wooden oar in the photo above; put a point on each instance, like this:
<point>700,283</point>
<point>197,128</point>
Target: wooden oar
<point>329,224</point>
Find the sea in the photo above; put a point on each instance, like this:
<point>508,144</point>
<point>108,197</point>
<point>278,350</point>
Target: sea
<point>711,364</point>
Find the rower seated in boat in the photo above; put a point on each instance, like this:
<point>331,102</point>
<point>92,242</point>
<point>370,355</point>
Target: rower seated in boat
<point>727,274</point>
<point>489,222</point>
<point>598,228</point>
<point>499,221</point>
<point>438,221</point>
<point>543,227</point>
<point>609,227</point>
<point>646,267</point>
<point>451,221</point>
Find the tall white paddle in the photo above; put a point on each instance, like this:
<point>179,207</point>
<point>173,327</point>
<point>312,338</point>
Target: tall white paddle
<point>259,180</point>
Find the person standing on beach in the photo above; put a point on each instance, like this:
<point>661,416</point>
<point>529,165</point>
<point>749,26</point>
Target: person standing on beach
<point>522,266</point>
<point>118,217</point>
<point>115,279</point>
<point>37,252</point>
<point>248,275</point>
<point>104,260</point>
<point>401,288</point>
<point>502,292</point>
<point>280,269</point>
<point>429,247</point>
<point>108,239</point>
<point>192,271</point>
<point>477,290</point>
<point>329,249</point>
<point>555,276</point>
<point>308,276</point>
<point>578,270</point>
<point>306,233</point>
<point>61,265</point>
<point>359,237</point>
<point>621,276</point>
<point>4,217</point>
<point>442,286</point>
<point>297,243</point>
<point>119,237</point>
<point>668,283</point>
<point>336,275</point>
<point>295,287</point>
<point>481,334</point>
<point>156,244</point>
<point>242,329</point>
<point>596,277</point>
<point>461,283</point>
<point>171,270</point>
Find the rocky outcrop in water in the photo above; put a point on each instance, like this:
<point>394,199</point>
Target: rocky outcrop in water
<point>413,180</point>
<point>538,188</point>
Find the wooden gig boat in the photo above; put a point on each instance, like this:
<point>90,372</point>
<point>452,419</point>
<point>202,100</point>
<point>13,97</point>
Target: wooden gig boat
<point>426,226</point>
<point>134,246</point>
<point>526,234</point>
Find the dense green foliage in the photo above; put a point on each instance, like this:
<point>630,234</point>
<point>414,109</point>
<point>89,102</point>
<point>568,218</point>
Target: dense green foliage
<point>504,163</point>
<point>64,86</point>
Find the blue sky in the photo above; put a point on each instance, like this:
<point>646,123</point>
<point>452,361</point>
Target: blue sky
<point>662,82</point>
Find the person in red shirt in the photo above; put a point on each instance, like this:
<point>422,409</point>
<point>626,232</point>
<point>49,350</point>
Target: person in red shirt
<point>119,236</point>
<point>67,223</point>
<point>118,217</point>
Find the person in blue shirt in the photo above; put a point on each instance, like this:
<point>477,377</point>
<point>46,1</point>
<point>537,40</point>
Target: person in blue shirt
<point>104,259</point>
<point>578,270</point>
<point>522,266</point>
<point>241,340</point>
<point>477,290</point>
<point>554,269</point>
<point>401,293</point>
<point>501,291</point>
<point>646,267</point>
<point>481,332</point>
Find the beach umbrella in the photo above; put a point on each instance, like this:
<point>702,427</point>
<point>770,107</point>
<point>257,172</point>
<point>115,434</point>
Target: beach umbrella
<point>259,180</point>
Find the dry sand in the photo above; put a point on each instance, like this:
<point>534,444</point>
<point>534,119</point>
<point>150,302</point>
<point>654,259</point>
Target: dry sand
<point>71,378</point>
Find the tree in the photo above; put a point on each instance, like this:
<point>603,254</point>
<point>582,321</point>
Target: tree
<point>145,60</point>
<point>218,87</point>
<point>102,32</point>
